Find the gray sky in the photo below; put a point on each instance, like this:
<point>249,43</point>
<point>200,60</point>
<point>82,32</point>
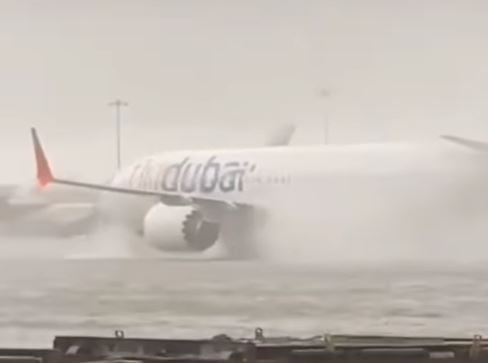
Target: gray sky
<point>222,73</point>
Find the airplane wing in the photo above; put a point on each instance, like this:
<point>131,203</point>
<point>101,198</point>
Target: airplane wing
<point>472,144</point>
<point>45,177</point>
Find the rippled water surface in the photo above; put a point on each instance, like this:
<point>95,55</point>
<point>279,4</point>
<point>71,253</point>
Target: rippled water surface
<point>158,298</point>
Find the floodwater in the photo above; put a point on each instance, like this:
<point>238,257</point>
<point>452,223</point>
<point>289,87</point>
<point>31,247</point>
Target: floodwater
<point>42,297</point>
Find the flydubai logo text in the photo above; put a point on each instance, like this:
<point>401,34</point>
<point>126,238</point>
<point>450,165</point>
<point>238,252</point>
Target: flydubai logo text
<point>206,177</point>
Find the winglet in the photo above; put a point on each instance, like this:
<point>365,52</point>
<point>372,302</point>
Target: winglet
<point>472,144</point>
<point>281,136</point>
<point>44,174</point>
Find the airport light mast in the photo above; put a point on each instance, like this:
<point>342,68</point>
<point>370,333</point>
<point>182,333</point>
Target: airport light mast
<point>118,104</point>
<point>325,95</point>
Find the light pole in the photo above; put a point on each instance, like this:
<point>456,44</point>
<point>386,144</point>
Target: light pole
<point>325,94</point>
<point>118,104</point>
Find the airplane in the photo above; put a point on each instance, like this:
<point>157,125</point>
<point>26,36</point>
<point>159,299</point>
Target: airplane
<point>61,211</point>
<point>57,211</point>
<point>189,200</point>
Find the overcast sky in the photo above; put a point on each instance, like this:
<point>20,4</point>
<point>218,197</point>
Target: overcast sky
<point>223,73</point>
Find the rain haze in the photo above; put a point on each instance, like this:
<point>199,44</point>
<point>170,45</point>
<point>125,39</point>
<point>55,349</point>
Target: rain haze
<point>224,75</point>
<point>219,73</point>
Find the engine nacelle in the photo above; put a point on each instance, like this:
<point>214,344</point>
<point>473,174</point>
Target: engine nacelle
<point>179,228</point>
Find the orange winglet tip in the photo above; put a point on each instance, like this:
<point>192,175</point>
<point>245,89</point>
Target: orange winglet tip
<point>44,174</point>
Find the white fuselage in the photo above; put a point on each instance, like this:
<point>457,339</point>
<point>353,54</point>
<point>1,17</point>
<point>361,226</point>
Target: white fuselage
<point>333,193</point>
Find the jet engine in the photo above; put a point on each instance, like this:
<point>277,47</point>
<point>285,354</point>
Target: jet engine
<point>179,228</point>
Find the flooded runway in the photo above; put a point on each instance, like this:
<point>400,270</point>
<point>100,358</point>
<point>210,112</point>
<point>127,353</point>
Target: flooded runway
<point>159,298</point>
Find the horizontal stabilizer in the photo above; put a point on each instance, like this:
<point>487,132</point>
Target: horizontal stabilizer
<point>472,144</point>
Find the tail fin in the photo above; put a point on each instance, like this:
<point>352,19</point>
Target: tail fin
<point>44,174</point>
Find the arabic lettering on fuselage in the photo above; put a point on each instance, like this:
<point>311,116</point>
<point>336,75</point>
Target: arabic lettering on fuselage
<point>206,177</point>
